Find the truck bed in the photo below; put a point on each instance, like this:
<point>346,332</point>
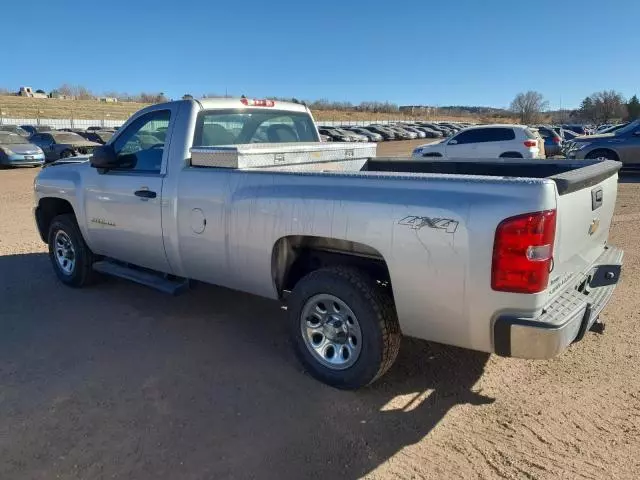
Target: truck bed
<point>568,176</point>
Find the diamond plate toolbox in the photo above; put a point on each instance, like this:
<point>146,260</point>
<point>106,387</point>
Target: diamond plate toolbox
<point>275,155</point>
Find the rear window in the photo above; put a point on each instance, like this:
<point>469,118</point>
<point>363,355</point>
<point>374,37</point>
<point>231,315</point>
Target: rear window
<point>531,134</point>
<point>243,126</point>
<point>545,133</point>
<point>480,135</point>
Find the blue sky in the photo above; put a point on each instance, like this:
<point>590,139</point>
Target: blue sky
<point>435,52</point>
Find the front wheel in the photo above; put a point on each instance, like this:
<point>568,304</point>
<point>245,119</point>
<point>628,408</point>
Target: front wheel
<point>343,327</point>
<point>71,257</point>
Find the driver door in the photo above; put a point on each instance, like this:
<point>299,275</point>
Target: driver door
<point>462,145</point>
<point>123,206</point>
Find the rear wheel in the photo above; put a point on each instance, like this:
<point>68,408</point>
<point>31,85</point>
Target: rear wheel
<point>601,154</point>
<point>66,154</point>
<point>343,327</point>
<point>71,257</point>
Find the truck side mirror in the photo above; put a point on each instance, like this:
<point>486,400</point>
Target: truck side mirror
<point>104,157</point>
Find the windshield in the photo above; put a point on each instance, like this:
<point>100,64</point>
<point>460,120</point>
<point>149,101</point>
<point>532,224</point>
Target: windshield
<point>11,139</point>
<point>13,129</point>
<point>244,126</point>
<point>627,128</point>
<point>67,137</point>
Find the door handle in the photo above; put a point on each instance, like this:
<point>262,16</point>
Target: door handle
<point>145,194</point>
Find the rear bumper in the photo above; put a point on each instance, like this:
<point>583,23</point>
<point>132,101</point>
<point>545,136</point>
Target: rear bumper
<point>564,321</point>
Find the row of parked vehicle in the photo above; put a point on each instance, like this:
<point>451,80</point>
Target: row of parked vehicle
<point>37,144</point>
<point>389,131</point>
<point>620,142</point>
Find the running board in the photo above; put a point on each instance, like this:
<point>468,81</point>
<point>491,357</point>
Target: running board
<point>150,279</point>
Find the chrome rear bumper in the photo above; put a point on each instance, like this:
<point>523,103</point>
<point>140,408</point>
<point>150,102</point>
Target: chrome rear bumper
<point>565,320</point>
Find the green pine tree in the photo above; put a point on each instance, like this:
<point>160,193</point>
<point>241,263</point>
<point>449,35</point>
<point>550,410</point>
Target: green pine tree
<point>633,108</point>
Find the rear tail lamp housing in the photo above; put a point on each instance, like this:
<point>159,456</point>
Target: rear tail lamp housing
<point>530,143</point>
<point>523,253</point>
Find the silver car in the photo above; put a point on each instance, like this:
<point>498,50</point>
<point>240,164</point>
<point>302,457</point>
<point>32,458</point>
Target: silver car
<point>622,145</point>
<point>15,150</point>
<point>57,145</point>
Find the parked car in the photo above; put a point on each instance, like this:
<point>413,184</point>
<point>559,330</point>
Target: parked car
<point>14,129</point>
<point>57,145</point>
<point>613,128</point>
<point>334,134</point>
<point>622,145</point>
<point>401,133</point>
<point>371,136</point>
<point>79,131</point>
<point>98,136</point>
<point>94,128</point>
<point>15,150</point>
<point>410,128</point>
<point>384,132</point>
<point>489,255</point>
<point>603,127</point>
<point>33,129</point>
<point>355,137</point>
<point>428,132</point>
<point>579,129</point>
<point>552,141</point>
<point>487,141</point>
<point>325,138</point>
<point>434,126</point>
<point>569,135</point>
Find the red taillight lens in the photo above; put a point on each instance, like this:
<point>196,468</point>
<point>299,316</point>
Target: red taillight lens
<point>557,140</point>
<point>530,143</point>
<point>523,252</point>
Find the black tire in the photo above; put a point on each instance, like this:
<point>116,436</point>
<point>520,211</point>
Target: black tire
<point>511,155</point>
<point>66,154</point>
<point>82,273</point>
<point>376,315</point>
<point>601,153</point>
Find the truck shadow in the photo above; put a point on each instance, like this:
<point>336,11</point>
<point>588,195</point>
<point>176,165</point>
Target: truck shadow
<point>629,177</point>
<point>118,380</point>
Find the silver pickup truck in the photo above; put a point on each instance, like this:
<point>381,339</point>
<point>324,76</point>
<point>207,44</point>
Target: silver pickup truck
<point>500,256</point>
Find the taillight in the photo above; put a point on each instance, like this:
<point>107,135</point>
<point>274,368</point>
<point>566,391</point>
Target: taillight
<point>257,102</point>
<point>530,143</point>
<point>557,140</point>
<point>523,253</point>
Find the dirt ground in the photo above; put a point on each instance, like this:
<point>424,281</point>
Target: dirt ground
<point>119,381</point>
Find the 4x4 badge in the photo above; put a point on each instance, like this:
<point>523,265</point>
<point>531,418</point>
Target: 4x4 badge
<point>417,223</point>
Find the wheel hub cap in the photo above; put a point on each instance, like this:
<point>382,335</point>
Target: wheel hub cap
<point>331,331</point>
<point>65,254</point>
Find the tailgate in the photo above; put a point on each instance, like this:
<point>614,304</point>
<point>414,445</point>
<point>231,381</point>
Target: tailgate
<point>586,201</point>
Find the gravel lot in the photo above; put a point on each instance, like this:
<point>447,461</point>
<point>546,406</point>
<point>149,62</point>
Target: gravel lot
<point>118,381</point>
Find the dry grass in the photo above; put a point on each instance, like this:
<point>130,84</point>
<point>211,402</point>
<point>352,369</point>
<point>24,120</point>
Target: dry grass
<point>21,107</point>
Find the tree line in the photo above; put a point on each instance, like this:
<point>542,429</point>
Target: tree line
<point>600,107</point>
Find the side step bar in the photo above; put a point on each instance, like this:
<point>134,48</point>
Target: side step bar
<point>150,279</point>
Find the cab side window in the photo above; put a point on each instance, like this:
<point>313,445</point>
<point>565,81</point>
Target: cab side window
<point>141,146</point>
